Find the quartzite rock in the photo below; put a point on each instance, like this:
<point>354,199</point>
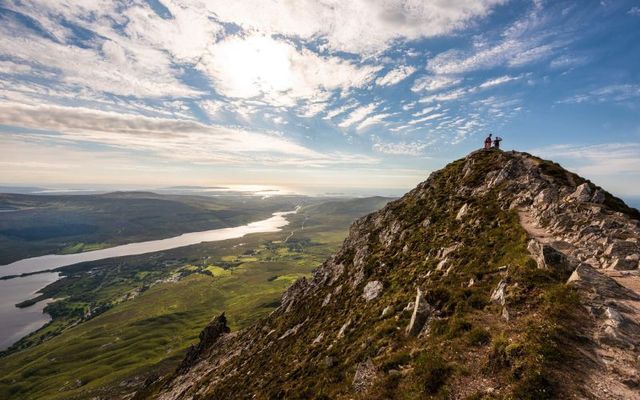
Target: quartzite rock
<point>421,313</point>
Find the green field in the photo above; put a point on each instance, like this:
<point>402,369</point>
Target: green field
<point>145,324</point>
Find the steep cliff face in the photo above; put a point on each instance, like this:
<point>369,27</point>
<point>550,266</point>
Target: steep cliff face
<point>500,276</point>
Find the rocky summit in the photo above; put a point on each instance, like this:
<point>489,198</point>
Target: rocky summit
<point>502,276</point>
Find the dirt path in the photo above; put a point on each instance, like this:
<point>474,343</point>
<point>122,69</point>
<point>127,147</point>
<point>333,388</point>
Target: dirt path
<point>534,231</point>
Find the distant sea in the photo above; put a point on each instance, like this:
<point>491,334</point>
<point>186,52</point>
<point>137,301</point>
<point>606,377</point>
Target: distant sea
<point>632,202</point>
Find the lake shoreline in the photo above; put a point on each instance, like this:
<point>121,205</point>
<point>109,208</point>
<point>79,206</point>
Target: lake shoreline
<point>18,311</point>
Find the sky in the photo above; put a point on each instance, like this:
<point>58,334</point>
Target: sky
<point>325,94</point>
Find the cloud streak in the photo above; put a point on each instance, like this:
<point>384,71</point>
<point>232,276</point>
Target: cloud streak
<point>183,140</point>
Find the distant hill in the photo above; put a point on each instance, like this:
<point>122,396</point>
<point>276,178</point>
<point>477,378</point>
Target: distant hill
<point>20,189</point>
<point>56,223</point>
<point>358,206</point>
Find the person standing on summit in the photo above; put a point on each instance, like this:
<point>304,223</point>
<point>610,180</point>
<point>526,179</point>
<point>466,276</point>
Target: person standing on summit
<point>487,142</point>
<point>496,142</point>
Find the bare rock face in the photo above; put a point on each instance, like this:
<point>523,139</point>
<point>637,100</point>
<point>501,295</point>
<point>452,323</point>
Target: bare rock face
<point>598,196</point>
<point>372,290</point>
<point>421,313</point>
<point>582,194</point>
<point>589,279</point>
<point>208,337</point>
<point>615,310</point>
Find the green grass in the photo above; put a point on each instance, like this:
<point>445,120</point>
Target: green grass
<point>137,334</point>
<point>82,247</point>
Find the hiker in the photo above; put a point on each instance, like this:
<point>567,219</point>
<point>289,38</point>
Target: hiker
<point>487,142</point>
<point>496,142</point>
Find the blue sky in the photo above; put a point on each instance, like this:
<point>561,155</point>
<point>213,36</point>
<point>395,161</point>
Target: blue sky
<point>307,93</point>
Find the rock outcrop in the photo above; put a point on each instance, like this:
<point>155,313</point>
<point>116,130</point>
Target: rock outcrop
<point>208,338</point>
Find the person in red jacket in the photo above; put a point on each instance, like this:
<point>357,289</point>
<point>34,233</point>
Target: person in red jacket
<point>487,142</point>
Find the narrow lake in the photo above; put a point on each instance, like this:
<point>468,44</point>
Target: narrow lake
<point>16,322</point>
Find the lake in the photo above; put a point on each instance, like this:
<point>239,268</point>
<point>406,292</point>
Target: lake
<point>16,322</point>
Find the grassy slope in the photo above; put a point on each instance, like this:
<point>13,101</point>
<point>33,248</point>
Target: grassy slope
<point>151,331</point>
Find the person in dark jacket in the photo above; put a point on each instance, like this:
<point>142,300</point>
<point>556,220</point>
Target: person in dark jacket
<point>496,142</point>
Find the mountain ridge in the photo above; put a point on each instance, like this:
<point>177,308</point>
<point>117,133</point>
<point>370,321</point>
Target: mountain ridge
<point>500,276</point>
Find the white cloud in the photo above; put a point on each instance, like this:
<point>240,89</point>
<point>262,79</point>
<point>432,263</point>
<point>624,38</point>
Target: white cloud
<point>174,139</point>
<point>430,117</point>
<point>610,93</point>
<point>372,120</point>
<point>445,96</point>
<point>340,110</point>
<point>433,83</point>
<point>358,26</point>
<point>635,11</point>
<point>395,75</point>
<point>528,40</point>
<point>277,72</point>
<point>401,148</point>
<point>498,81</point>
<point>513,53</point>
<point>9,67</point>
<point>110,62</point>
<point>566,61</point>
<point>426,110</point>
<point>358,115</point>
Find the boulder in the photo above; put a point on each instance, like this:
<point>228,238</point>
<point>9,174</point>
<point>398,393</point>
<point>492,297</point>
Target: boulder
<point>445,251</point>
<point>545,197</point>
<point>621,249</point>
<point>623,264</point>
<point>509,172</point>
<point>582,194</point>
<point>421,313</point>
<point>326,300</point>
<point>498,295</point>
<point>462,212</point>
<point>589,279</point>
<point>372,290</point>
<point>549,257</point>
